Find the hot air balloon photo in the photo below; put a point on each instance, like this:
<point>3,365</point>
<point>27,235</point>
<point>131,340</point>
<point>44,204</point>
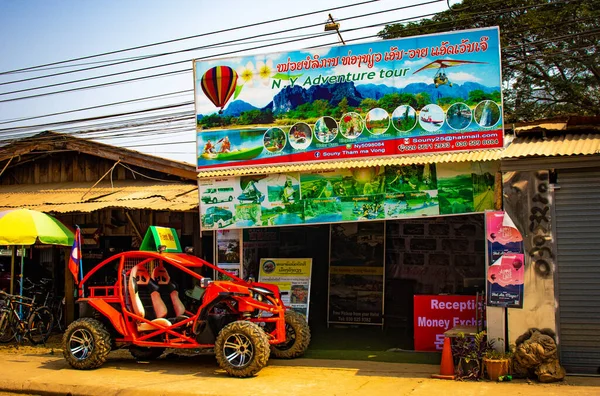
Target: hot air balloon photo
<point>440,77</point>
<point>218,84</point>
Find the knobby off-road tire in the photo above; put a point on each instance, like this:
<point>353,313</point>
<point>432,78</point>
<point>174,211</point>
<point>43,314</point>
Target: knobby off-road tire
<point>145,353</point>
<point>39,325</point>
<point>297,335</point>
<point>7,331</point>
<point>242,349</point>
<point>86,344</point>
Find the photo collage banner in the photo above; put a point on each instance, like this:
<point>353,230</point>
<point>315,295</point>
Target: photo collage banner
<point>423,94</point>
<point>347,195</point>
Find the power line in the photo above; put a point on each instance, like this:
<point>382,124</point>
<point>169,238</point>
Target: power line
<point>188,37</point>
<point>233,42</point>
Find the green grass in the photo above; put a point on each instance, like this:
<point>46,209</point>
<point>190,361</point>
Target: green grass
<point>375,356</point>
<point>369,343</point>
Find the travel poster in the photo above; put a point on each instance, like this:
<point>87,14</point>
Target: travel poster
<point>228,253</point>
<point>423,94</point>
<point>506,261</point>
<point>356,275</point>
<point>292,276</point>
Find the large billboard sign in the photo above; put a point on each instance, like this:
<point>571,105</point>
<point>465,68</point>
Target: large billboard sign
<point>435,93</point>
<point>347,195</point>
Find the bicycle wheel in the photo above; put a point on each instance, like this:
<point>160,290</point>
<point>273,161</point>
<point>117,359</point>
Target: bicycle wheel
<point>7,331</point>
<point>40,325</point>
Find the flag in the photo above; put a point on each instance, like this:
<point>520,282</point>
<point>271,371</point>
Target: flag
<point>75,259</point>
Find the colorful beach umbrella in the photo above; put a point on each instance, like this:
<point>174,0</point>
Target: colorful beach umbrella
<point>26,227</point>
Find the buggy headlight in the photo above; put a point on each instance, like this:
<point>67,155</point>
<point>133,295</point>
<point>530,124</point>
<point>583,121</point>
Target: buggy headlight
<point>258,297</point>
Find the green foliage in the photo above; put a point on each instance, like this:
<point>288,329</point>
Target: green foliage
<point>256,117</point>
<point>550,52</point>
<point>215,120</point>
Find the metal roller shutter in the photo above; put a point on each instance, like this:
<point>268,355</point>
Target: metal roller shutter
<point>578,263</point>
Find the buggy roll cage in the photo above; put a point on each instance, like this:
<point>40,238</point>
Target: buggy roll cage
<point>104,299</point>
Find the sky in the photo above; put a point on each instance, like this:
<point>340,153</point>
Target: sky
<point>37,32</point>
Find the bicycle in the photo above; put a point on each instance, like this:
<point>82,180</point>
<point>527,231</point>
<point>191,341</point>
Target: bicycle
<point>43,292</point>
<point>36,326</point>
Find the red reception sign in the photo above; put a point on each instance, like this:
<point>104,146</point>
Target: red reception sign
<point>435,315</point>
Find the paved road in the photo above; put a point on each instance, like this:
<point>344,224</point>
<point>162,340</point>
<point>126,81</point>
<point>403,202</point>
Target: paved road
<point>199,375</point>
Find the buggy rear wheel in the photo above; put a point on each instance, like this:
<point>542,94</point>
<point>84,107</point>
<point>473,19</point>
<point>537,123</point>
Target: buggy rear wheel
<point>39,325</point>
<point>242,349</point>
<point>297,337</point>
<point>86,344</point>
<point>145,353</point>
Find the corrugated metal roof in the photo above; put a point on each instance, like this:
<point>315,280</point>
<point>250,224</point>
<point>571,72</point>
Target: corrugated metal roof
<point>564,145</point>
<point>479,155</point>
<point>78,197</point>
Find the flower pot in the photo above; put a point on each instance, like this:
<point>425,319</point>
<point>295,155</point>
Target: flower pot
<point>496,367</point>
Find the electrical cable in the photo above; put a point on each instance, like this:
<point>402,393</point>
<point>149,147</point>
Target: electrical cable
<point>191,37</point>
<point>234,42</point>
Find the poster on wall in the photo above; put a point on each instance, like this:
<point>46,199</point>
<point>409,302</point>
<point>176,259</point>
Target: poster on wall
<point>433,93</point>
<point>292,276</point>
<point>436,314</point>
<point>347,195</point>
<point>506,261</point>
<point>228,253</point>
<point>356,273</point>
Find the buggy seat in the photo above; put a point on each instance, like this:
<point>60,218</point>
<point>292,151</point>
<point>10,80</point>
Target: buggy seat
<point>145,299</point>
<point>169,293</point>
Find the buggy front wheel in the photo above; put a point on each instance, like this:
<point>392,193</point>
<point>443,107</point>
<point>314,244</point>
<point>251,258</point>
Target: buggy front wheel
<point>242,349</point>
<point>40,325</point>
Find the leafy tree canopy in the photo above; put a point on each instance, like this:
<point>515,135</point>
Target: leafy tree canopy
<point>550,51</point>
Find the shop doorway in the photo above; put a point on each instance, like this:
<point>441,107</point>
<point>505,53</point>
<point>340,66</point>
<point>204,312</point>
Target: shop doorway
<point>432,256</point>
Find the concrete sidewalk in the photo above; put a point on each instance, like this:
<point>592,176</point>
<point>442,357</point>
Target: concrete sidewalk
<point>200,375</point>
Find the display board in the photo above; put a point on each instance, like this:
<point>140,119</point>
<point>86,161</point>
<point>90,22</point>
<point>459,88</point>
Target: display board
<point>347,195</point>
<point>356,273</point>
<point>292,276</point>
<point>228,252</point>
<point>506,261</point>
<point>436,314</point>
<point>422,94</point>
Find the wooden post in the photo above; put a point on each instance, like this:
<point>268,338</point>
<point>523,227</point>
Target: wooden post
<point>69,289</point>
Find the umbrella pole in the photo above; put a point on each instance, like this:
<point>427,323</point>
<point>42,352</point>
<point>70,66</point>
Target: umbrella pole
<point>13,256</point>
<point>22,280</point>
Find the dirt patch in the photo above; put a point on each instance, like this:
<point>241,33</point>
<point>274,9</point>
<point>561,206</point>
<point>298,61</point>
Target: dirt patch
<point>52,346</point>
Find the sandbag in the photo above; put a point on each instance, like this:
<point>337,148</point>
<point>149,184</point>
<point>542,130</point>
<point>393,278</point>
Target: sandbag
<point>536,356</point>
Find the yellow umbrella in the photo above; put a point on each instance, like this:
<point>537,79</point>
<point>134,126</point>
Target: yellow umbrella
<point>26,226</point>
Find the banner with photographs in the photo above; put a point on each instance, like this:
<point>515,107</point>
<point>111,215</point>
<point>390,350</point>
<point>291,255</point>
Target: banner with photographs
<point>433,93</point>
<point>356,276</point>
<point>228,253</point>
<point>347,195</point>
<point>292,276</point>
<point>505,271</point>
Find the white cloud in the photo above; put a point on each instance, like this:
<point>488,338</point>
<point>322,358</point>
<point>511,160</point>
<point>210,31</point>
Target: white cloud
<point>415,64</point>
<point>462,77</point>
<point>316,51</point>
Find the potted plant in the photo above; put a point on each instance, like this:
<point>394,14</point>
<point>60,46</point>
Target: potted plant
<point>469,351</point>
<point>497,363</point>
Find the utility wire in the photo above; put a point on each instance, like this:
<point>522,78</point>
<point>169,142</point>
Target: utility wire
<point>233,42</point>
<point>189,37</point>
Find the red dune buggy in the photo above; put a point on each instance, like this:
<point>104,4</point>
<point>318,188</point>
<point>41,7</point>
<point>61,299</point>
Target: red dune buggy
<point>243,321</point>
